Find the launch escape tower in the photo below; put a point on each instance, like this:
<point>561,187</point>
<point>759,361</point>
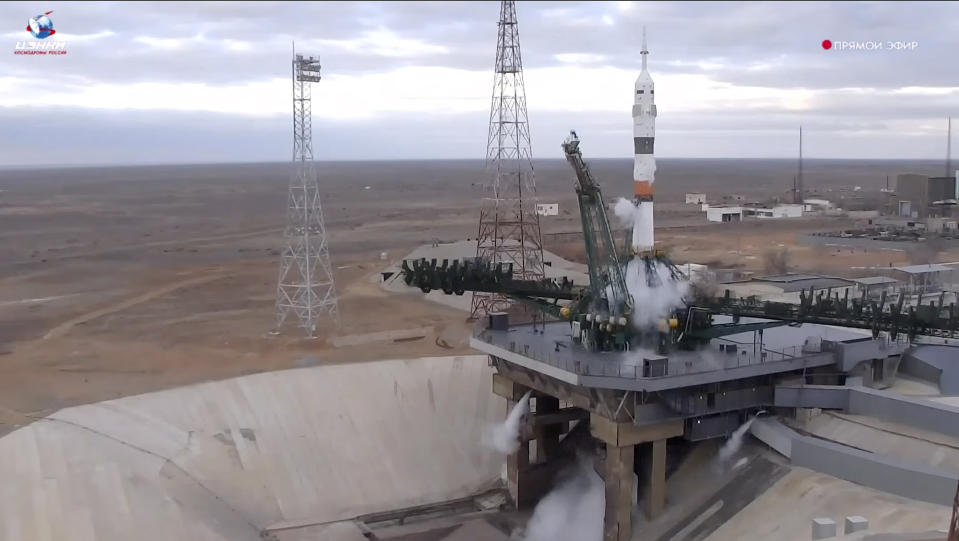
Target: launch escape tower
<point>305,287</point>
<point>509,231</point>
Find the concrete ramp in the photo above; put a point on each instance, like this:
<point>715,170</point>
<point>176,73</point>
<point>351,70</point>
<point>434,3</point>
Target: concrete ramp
<point>227,459</point>
<point>784,511</point>
<point>935,363</point>
<point>933,415</point>
<point>906,477</point>
<point>885,438</point>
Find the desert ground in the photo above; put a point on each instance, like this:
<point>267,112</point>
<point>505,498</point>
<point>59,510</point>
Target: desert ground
<point>122,280</point>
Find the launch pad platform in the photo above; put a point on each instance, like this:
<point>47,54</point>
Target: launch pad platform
<point>634,401</point>
<point>550,348</point>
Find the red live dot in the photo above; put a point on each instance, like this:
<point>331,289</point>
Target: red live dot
<point>826,44</point>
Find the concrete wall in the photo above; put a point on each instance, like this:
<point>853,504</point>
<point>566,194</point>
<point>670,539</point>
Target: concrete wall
<point>936,364</point>
<point>774,434</point>
<point>909,479</point>
<point>849,354</point>
<point>905,410</point>
<point>919,368</point>
<point>884,405</point>
<point>224,460</point>
<point>812,396</point>
<point>724,214</point>
<point>904,478</point>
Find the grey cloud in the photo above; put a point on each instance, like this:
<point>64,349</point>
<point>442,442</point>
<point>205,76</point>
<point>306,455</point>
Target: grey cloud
<point>736,35</point>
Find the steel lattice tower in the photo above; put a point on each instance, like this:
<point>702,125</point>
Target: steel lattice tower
<point>305,287</point>
<point>509,229</point>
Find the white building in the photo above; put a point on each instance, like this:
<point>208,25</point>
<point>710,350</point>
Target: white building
<point>547,209</point>
<point>695,198</point>
<point>875,286</point>
<point>724,214</point>
<point>779,211</point>
<point>787,287</point>
<point>697,272</point>
<point>817,204</point>
<point>941,225</point>
<point>924,279</point>
<point>788,211</point>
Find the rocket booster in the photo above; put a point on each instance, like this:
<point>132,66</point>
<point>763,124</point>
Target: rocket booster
<point>644,164</point>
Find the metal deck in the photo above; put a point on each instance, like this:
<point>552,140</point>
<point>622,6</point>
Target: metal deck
<point>549,349</point>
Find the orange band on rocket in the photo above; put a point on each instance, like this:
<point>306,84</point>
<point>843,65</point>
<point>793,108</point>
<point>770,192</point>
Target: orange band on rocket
<point>643,188</point>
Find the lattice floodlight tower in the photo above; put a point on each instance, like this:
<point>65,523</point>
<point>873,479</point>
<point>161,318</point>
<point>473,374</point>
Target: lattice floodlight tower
<point>305,287</point>
<point>509,231</point>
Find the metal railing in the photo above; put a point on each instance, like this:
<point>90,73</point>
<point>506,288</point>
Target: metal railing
<point>618,364</point>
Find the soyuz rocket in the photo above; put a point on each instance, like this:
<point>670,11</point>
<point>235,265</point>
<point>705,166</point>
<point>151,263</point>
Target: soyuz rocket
<point>644,165</point>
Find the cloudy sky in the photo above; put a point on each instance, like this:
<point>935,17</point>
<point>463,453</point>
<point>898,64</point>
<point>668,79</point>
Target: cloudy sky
<point>167,82</point>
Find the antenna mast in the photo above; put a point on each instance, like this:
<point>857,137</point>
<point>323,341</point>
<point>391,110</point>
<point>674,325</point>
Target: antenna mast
<point>305,287</point>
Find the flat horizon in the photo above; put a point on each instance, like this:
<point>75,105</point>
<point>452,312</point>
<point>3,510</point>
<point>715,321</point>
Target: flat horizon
<point>19,167</point>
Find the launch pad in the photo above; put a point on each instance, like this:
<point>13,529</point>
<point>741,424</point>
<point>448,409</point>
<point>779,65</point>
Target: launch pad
<point>640,355</point>
<point>634,401</point>
<point>619,371</point>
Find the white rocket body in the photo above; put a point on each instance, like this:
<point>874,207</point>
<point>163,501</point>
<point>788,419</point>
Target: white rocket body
<point>644,164</point>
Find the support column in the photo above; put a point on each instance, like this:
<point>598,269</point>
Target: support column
<point>547,435</point>
<point>517,464</point>
<point>656,493</point>
<point>517,468</point>
<point>621,435</point>
<point>618,524</point>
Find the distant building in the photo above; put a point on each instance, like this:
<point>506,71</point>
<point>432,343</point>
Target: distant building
<point>941,225</point>
<point>924,279</point>
<point>779,211</point>
<point>695,198</point>
<point>875,286</point>
<point>905,209</point>
<point>787,287</point>
<point>899,223</point>
<point>813,205</point>
<point>722,213</point>
<point>547,209</point>
<point>696,272</point>
<point>920,192</point>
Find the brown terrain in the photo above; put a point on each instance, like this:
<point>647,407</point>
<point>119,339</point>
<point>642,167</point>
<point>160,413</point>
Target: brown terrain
<point>119,281</point>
